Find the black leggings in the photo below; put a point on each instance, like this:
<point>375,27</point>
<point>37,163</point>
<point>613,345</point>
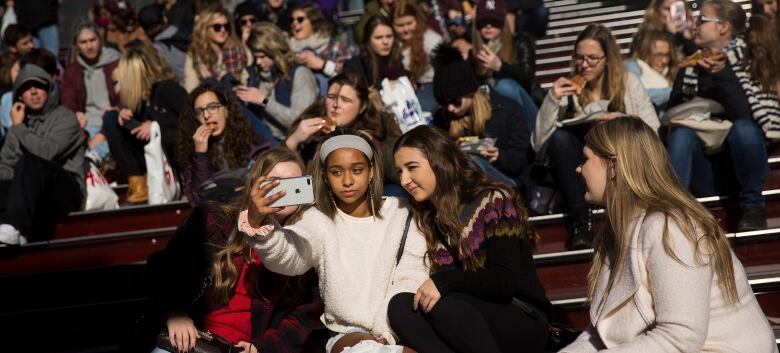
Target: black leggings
<point>464,323</point>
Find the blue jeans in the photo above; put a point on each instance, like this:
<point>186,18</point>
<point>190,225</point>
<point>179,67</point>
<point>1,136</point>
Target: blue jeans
<point>511,89</point>
<point>258,123</point>
<point>744,154</point>
<point>565,151</point>
<point>102,149</point>
<point>492,171</point>
<point>427,100</point>
<point>49,38</point>
<point>322,81</point>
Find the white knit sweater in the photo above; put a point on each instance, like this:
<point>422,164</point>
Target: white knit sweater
<point>355,261</point>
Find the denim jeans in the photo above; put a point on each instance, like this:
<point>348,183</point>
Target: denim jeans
<point>565,151</point>
<point>511,89</point>
<point>492,171</point>
<point>102,149</point>
<point>427,100</point>
<point>743,154</point>
<point>48,38</point>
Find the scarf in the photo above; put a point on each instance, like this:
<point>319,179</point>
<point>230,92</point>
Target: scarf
<point>764,105</point>
<point>316,42</point>
<point>233,62</point>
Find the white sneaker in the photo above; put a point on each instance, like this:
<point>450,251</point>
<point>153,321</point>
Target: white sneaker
<point>10,235</point>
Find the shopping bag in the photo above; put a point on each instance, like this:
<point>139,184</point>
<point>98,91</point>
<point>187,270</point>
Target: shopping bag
<point>160,179</point>
<point>399,98</point>
<point>100,195</point>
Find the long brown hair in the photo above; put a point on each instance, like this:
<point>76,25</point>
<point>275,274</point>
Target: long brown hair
<point>459,181</point>
<point>419,60</point>
<point>507,52</point>
<point>365,48</point>
<point>613,84</point>
<point>642,48</point>
<point>236,139</point>
<point>224,269</point>
<point>763,49</point>
<point>643,179</point>
<point>323,195</point>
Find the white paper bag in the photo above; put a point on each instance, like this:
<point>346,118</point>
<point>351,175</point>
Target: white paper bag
<point>160,179</point>
<point>399,98</point>
<point>100,195</point>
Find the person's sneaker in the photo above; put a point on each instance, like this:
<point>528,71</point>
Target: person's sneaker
<point>581,232</point>
<point>11,236</point>
<point>753,218</point>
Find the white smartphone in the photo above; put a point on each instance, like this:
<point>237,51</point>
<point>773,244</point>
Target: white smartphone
<point>300,191</point>
<point>677,12</point>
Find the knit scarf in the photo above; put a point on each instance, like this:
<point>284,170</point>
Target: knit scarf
<point>765,105</point>
<point>316,42</point>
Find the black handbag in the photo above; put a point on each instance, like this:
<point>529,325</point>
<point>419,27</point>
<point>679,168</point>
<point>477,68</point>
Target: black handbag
<point>559,335</point>
<point>207,343</point>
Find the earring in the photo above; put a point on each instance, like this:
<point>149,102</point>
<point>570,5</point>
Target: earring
<point>331,198</point>
<point>371,201</point>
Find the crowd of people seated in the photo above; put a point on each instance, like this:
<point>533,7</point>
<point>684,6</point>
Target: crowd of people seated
<point>418,236</point>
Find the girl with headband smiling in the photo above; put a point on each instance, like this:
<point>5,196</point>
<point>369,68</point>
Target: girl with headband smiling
<point>365,247</point>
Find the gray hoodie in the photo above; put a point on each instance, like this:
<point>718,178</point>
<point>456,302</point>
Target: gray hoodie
<point>95,83</point>
<point>53,134</point>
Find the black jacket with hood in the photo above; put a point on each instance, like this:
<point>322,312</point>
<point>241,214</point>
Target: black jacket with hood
<point>52,134</point>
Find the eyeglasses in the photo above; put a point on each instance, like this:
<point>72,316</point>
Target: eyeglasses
<point>701,19</point>
<point>493,22</point>
<point>211,108</point>
<point>592,60</point>
<point>219,27</point>
<point>248,21</point>
<point>299,19</point>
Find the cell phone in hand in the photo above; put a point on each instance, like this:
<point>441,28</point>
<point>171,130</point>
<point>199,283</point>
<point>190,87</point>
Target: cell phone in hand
<point>131,124</point>
<point>677,11</point>
<point>299,191</point>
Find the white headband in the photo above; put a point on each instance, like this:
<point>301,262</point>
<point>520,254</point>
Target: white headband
<point>345,141</point>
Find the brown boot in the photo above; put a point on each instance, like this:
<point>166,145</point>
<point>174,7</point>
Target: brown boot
<point>136,189</point>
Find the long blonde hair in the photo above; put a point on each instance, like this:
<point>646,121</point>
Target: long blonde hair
<point>224,269</point>
<point>613,85</point>
<point>269,39</point>
<point>139,68</point>
<point>200,49</point>
<point>475,120</point>
<point>640,177</point>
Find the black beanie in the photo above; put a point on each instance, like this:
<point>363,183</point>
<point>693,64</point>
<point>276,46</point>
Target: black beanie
<point>453,77</point>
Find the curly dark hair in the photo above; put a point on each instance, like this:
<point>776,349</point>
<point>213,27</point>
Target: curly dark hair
<point>237,137</point>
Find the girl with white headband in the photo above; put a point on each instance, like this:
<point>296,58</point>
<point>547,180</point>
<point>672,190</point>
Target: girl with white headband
<point>365,247</point>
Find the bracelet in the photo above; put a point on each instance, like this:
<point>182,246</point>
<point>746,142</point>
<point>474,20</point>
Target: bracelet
<point>246,228</point>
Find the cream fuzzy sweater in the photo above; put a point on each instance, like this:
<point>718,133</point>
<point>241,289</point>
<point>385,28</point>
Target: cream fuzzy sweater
<point>355,262</point>
<point>658,305</point>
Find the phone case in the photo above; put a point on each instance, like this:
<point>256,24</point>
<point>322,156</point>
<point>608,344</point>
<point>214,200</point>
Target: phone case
<point>300,191</point>
<point>677,12</point>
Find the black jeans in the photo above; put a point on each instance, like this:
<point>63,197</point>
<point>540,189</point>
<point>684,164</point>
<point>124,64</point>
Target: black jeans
<point>565,151</point>
<point>40,193</point>
<point>128,151</point>
<point>464,323</point>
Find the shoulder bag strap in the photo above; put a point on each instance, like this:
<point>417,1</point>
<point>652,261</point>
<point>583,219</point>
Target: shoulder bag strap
<point>403,240</point>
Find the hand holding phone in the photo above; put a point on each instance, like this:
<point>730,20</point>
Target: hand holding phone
<point>297,191</point>
<point>678,20</point>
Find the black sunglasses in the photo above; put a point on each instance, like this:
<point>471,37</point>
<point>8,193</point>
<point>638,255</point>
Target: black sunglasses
<point>494,22</point>
<point>299,19</point>
<point>248,21</point>
<point>219,27</point>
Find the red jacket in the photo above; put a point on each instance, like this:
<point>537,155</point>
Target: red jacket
<point>73,90</point>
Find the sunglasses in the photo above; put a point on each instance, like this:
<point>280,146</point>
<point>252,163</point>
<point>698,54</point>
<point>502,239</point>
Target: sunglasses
<point>248,21</point>
<point>299,19</point>
<point>219,27</point>
<point>493,22</point>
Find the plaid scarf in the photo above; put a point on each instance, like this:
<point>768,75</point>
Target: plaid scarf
<point>233,62</point>
<point>765,105</point>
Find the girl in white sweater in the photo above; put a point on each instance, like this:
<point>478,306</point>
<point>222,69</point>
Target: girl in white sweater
<point>353,237</point>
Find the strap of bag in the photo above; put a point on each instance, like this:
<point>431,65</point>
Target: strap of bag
<point>403,240</point>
